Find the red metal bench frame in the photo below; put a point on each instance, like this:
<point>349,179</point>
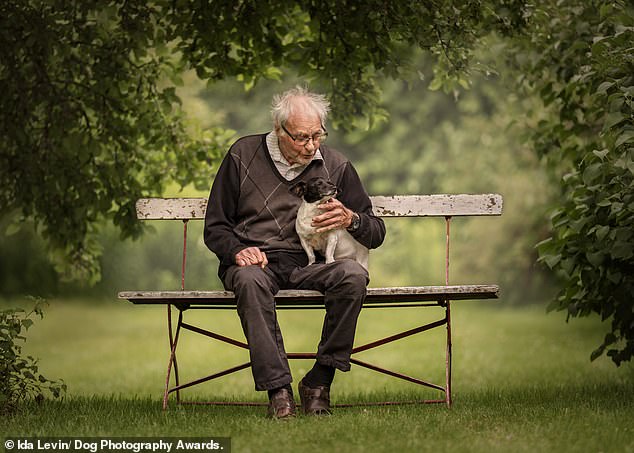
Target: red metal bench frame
<point>419,296</point>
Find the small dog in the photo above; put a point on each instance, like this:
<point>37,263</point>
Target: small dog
<point>333,244</point>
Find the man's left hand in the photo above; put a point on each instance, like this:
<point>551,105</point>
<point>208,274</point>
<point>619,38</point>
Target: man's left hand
<point>335,215</point>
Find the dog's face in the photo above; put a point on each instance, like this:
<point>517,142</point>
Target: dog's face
<point>314,189</point>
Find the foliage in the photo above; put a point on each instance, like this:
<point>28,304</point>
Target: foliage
<point>89,121</point>
<point>20,379</point>
<point>89,118</point>
<point>585,78</point>
<point>346,45</point>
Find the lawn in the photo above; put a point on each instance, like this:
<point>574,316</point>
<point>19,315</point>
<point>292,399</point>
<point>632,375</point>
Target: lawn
<point>523,381</point>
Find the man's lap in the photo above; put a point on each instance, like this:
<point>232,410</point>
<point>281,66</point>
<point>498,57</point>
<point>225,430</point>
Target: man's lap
<point>319,276</point>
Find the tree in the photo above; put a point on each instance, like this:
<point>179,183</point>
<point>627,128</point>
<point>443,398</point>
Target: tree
<point>89,119</point>
<point>585,78</point>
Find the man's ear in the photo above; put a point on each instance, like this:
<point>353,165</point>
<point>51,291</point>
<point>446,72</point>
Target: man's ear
<point>298,189</point>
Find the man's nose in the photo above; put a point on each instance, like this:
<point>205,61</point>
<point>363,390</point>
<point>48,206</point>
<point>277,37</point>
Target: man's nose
<point>310,144</point>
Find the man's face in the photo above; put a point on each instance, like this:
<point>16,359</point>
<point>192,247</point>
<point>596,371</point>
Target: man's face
<point>299,124</point>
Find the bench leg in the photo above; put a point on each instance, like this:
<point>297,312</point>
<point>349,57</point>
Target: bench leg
<point>448,357</point>
<point>447,304</point>
<point>172,360</point>
<point>215,336</point>
<point>176,378</point>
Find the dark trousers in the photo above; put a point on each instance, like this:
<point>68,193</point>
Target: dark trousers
<point>343,284</point>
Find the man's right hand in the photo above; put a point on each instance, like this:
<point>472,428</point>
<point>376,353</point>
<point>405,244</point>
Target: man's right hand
<point>251,256</point>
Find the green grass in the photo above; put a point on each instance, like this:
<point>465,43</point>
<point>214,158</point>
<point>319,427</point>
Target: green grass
<point>523,381</point>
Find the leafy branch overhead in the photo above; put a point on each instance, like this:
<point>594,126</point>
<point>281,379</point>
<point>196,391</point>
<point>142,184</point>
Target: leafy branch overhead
<point>90,121</point>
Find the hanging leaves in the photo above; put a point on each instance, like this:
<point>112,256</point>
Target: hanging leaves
<point>585,76</point>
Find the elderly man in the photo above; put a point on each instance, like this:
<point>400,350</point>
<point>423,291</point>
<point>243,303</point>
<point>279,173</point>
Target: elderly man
<point>250,226</point>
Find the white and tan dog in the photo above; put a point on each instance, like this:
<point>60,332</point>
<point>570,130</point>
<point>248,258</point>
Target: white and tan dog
<point>334,244</point>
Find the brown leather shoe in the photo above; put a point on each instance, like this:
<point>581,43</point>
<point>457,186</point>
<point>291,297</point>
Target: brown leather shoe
<point>281,405</point>
<point>315,401</point>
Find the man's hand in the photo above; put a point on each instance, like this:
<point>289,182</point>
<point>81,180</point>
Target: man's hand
<point>251,256</point>
<point>335,215</point>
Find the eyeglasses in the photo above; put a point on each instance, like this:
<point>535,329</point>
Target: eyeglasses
<point>302,140</point>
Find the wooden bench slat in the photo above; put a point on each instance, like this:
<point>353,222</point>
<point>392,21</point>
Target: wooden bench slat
<point>170,208</point>
<point>439,205</point>
<point>304,297</point>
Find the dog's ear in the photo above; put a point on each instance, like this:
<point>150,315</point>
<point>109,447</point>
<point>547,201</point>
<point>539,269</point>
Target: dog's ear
<point>298,189</point>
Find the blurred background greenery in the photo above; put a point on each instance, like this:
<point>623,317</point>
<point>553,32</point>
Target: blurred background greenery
<point>430,142</point>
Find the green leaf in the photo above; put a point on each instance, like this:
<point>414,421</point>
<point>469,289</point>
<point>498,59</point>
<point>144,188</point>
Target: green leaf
<point>273,73</point>
<point>596,259</point>
<point>605,10</point>
<point>604,87</point>
<point>625,137</point>
<point>616,207</point>
<point>597,353</point>
<point>601,154</point>
<point>551,260</point>
<point>613,119</point>
<point>622,250</point>
<point>591,173</point>
<point>602,231</point>
<point>544,244</point>
<point>436,84</point>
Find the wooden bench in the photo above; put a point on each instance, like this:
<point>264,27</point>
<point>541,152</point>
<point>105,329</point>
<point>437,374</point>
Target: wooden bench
<point>447,206</point>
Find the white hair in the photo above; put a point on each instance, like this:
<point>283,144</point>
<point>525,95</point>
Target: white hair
<point>299,99</point>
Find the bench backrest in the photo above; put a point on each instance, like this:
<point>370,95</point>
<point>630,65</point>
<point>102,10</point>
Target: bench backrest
<point>441,205</point>
<point>384,206</point>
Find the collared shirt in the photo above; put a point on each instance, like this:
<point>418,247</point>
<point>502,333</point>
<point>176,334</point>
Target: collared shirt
<point>288,171</point>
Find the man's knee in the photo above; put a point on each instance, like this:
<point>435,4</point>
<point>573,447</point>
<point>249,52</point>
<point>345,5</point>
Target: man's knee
<point>349,276</point>
<point>250,277</point>
<point>252,286</point>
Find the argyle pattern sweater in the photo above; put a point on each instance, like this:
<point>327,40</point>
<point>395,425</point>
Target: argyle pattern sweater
<point>250,203</point>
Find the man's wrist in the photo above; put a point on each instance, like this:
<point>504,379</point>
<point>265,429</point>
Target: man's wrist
<point>355,223</point>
